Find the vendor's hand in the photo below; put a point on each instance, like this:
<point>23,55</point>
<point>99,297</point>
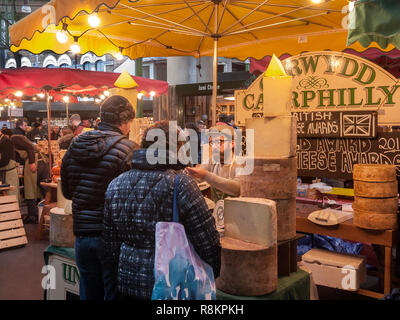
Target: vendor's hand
<point>33,167</point>
<point>198,173</point>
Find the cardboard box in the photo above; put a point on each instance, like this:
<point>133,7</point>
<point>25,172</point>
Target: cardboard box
<point>336,270</point>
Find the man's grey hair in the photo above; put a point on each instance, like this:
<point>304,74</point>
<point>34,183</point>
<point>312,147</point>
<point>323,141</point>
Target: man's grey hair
<point>75,117</point>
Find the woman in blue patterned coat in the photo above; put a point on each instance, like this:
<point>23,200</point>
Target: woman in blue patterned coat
<point>138,199</point>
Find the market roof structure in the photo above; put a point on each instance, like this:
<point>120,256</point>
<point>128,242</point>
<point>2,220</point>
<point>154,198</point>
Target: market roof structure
<point>153,28</point>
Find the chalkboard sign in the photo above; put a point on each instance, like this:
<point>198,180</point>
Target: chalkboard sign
<point>336,124</point>
<point>334,158</point>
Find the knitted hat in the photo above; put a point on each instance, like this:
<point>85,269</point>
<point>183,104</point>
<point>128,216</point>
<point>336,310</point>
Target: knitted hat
<point>116,110</point>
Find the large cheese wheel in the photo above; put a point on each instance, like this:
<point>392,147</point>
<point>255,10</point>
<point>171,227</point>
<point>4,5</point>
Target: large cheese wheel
<point>271,179</point>
<point>247,269</point>
<point>378,206</point>
<point>251,220</point>
<point>375,221</point>
<point>275,179</point>
<point>374,172</point>
<point>61,229</point>
<point>375,189</point>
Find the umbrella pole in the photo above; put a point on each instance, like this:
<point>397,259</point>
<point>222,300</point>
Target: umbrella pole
<point>67,111</point>
<point>215,83</point>
<point>215,69</point>
<point>48,104</point>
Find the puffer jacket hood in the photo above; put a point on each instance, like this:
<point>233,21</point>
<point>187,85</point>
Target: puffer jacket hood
<point>91,146</point>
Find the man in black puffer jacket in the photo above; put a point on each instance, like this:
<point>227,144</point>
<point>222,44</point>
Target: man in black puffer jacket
<point>93,160</point>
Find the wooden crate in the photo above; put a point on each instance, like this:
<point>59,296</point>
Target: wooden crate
<point>12,231</point>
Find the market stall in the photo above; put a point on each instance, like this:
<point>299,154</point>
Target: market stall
<point>341,104</point>
<point>316,115</point>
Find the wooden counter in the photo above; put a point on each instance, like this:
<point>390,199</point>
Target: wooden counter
<point>348,231</point>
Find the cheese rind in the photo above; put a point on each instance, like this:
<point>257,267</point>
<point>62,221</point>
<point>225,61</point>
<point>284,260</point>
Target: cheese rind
<point>375,189</point>
<point>374,172</point>
<point>375,221</point>
<point>274,137</point>
<point>252,220</point>
<point>247,269</point>
<point>271,179</point>
<point>378,206</point>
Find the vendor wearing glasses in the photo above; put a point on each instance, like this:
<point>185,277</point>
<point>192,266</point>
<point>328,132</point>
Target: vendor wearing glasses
<point>219,170</point>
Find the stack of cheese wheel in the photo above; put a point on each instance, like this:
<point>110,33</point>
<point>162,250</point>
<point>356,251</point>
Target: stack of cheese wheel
<point>275,169</point>
<point>375,196</point>
<point>249,247</point>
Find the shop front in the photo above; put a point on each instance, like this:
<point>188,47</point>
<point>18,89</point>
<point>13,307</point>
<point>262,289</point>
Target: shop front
<point>194,100</point>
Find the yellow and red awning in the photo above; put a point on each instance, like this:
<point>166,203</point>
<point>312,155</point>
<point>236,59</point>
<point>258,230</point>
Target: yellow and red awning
<point>151,28</point>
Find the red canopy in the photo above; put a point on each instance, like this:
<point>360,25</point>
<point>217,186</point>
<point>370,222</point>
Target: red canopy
<point>388,60</point>
<point>60,82</point>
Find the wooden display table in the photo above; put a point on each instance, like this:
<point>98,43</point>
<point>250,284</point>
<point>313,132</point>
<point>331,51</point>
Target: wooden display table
<point>348,231</point>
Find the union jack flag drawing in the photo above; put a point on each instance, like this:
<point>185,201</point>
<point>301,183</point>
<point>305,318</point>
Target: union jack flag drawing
<point>357,125</point>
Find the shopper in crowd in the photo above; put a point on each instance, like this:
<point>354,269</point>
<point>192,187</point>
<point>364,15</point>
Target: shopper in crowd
<point>28,152</point>
<point>194,145</point>
<point>231,121</point>
<point>87,123</point>
<point>136,201</point>
<point>96,123</point>
<point>55,133</point>
<point>92,161</point>
<point>220,169</point>
<point>76,124</point>
<point>21,127</point>
<point>66,136</point>
<point>223,119</point>
<point>201,125</point>
<point>45,129</point>
<point>35,134</point>
<point>8,165</point>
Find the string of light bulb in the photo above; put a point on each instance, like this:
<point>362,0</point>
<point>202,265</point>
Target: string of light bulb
<point>66,98</point>
<point>95,22</point>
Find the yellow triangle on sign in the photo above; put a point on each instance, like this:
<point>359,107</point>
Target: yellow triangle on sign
<point>125,81</point>
<point>275,68</point>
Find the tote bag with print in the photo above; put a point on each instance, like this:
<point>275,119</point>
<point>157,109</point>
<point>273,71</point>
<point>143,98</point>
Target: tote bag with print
<point>179,273</point>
